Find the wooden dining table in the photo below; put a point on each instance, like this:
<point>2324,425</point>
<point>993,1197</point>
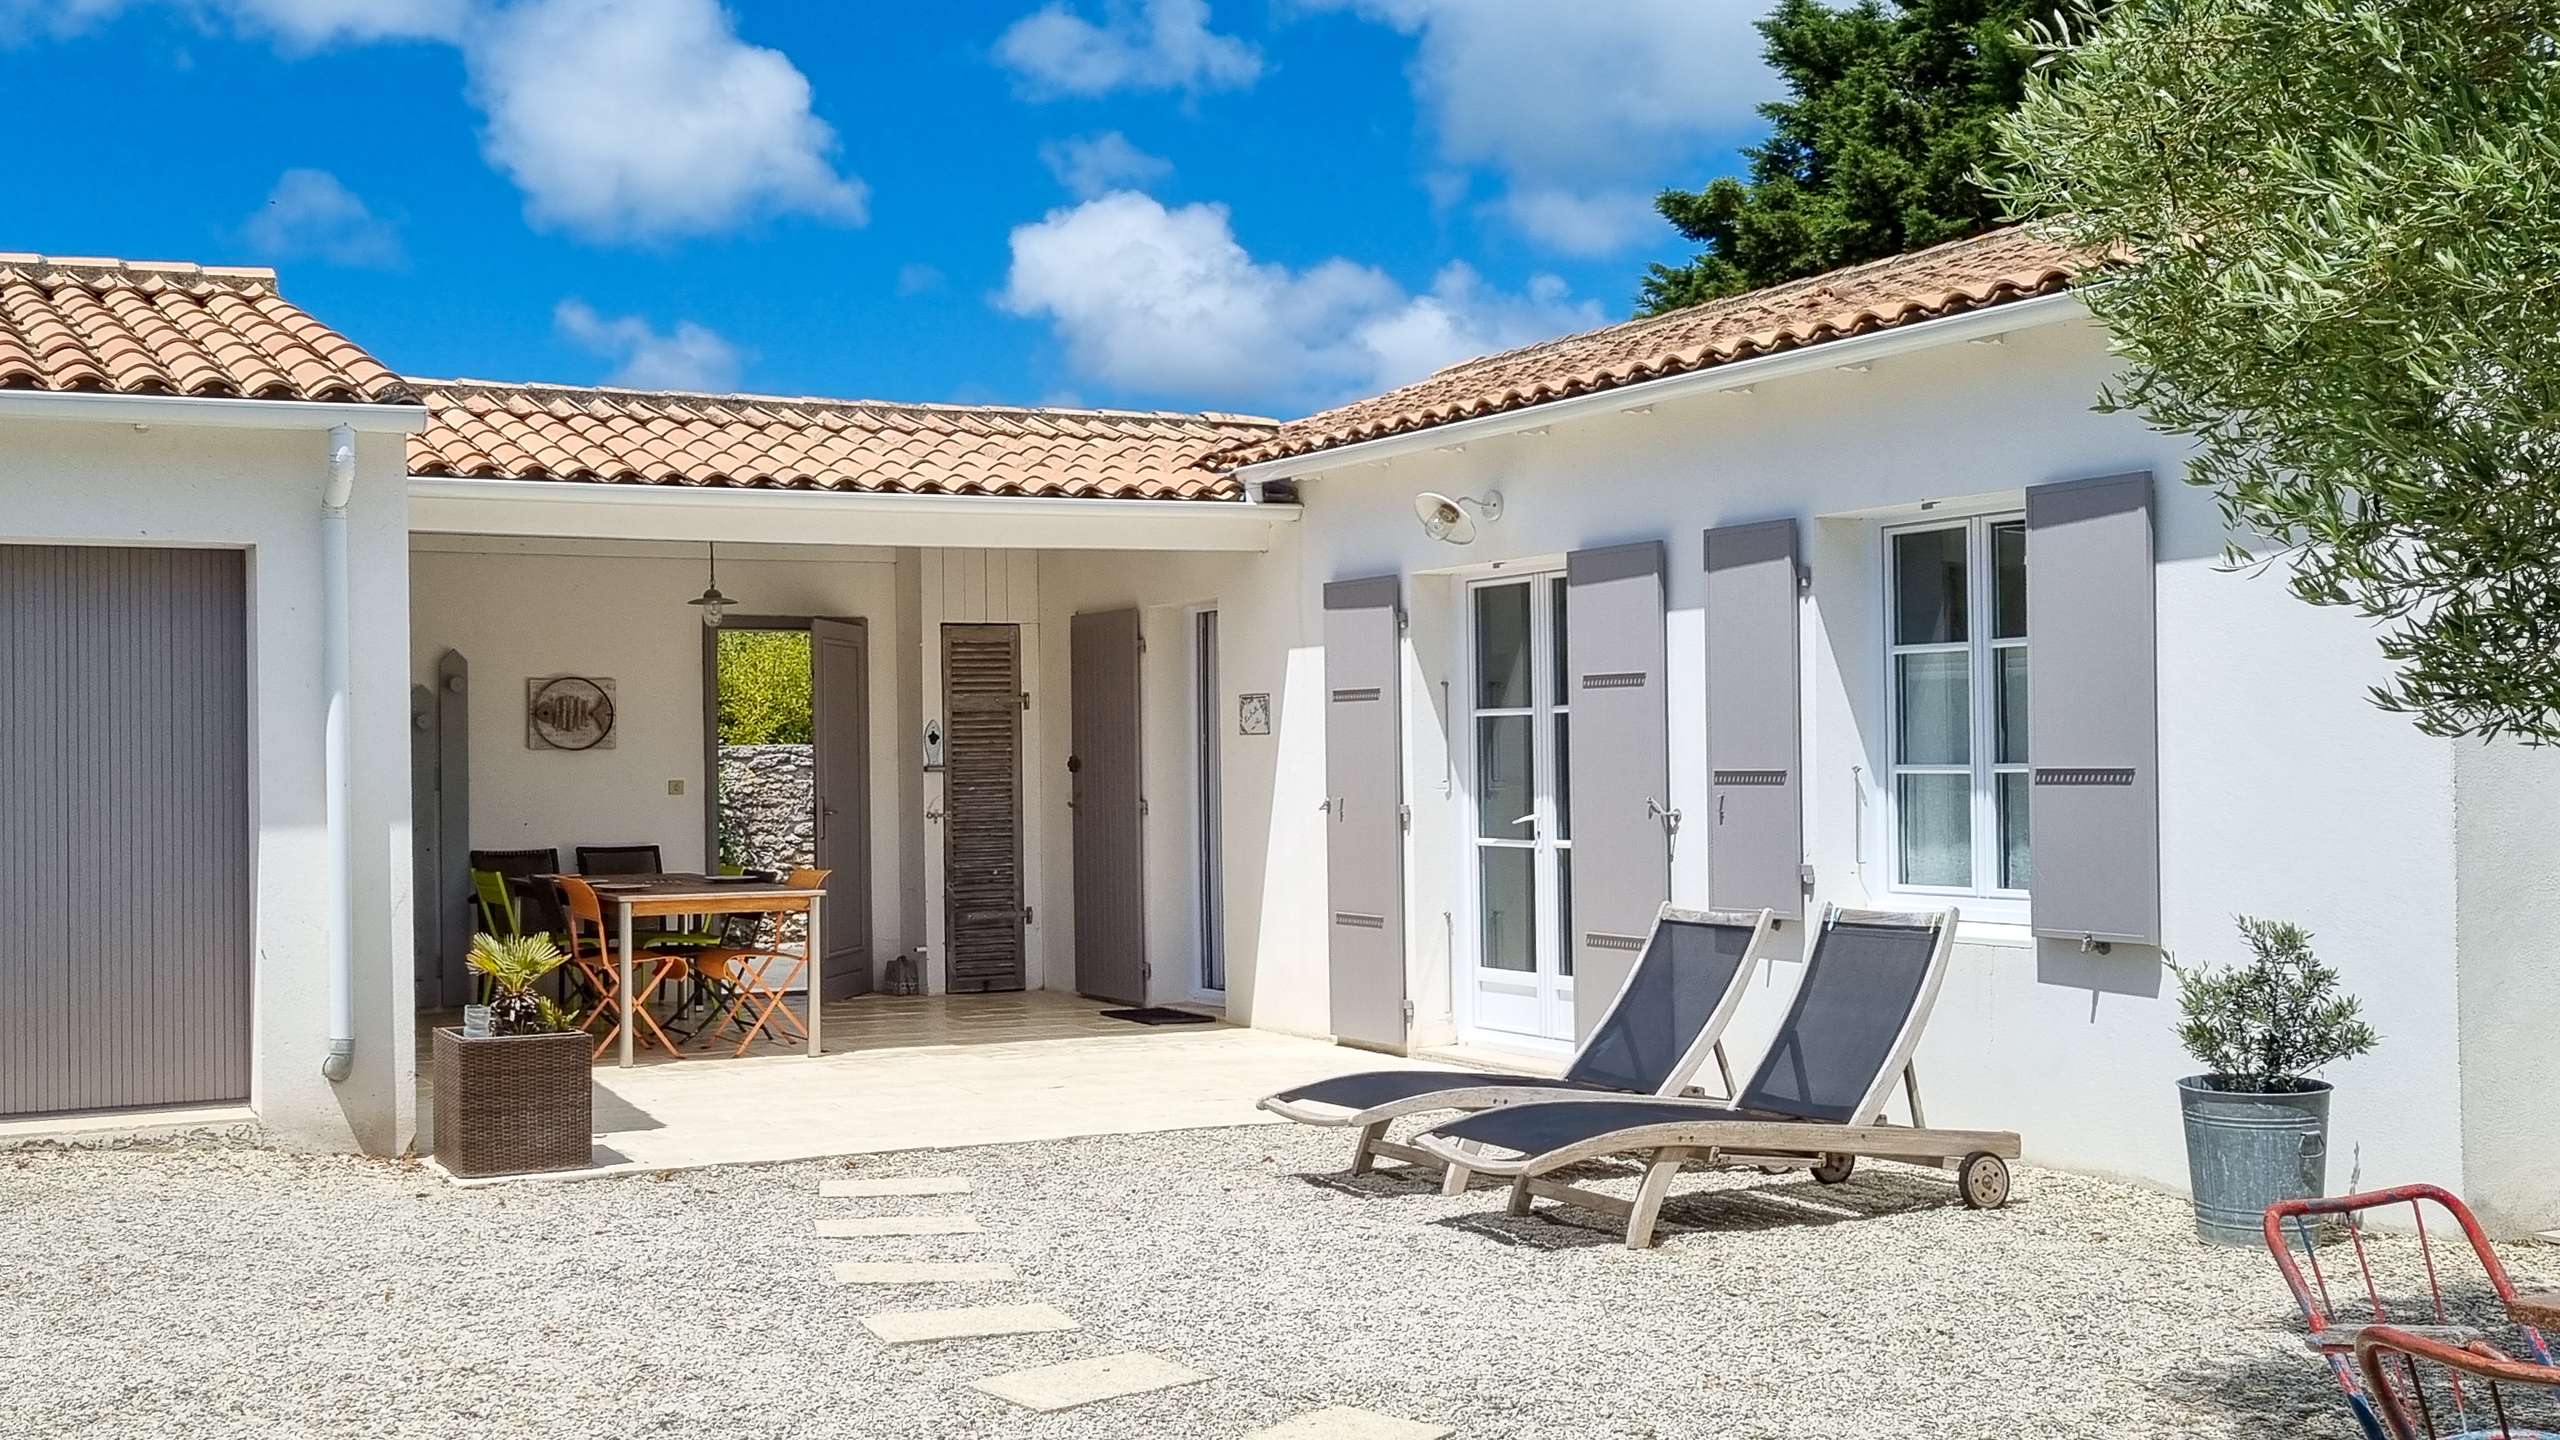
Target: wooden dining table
<point>680,894</point>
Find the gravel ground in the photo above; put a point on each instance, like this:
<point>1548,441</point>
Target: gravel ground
<point>208,1287</point>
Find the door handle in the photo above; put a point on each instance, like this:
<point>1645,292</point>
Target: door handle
<point>1653,810</point>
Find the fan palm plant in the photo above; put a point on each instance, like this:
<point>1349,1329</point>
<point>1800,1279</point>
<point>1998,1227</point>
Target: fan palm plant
<point>514,964</point>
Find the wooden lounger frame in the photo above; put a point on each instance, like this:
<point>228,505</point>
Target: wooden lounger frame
<point>1372,1144</point>
<point>1721,1142</point>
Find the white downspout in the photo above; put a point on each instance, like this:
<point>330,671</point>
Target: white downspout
<point>341,1059</point>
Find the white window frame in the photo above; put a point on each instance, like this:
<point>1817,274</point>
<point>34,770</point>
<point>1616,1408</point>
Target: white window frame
<point>1993,903</point>
<point>1466,951</point>
<point>1208,801</point>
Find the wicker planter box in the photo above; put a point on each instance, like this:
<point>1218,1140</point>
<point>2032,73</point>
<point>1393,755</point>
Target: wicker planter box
<point>510,1104</point>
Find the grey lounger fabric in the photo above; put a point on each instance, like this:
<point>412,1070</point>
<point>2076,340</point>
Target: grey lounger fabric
<point>1646,1043</point>
<point>1848,1018</point>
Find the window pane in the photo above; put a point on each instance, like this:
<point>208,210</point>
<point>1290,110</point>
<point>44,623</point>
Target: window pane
<point>2015,872</point>
<point>2010,721</point>
<point>1510,907</point>
<point>1502,647</point>
<point>1928,587</point>
<point>1936,815</point>
<point>1564,913</point>
<point>1562,694</point>
<point>1933,716</point>
<point>1564,777</point>
<point>2009,581</point>
<point>1504,801</point>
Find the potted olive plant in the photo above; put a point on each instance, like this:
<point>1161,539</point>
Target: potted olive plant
<point>519,1098</point>
<point>2257,1124</point>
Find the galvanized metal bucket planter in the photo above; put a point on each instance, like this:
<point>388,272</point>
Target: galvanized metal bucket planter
<point>513,1104</point>
<point>2248,1149</point>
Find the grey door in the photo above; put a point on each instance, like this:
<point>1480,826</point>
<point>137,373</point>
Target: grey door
<point>840,678</point>
<point>125,835</point>
<point>1364,787</point>
<point>1755,819</point>
<point>1103,791</point>
<point>2093,711</point>
<point>1617,765</point>
<point>982,806</point>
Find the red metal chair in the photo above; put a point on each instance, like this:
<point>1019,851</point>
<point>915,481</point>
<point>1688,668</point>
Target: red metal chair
<point>2412,1321</point>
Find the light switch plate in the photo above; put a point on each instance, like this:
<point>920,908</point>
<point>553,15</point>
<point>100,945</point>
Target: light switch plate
<point>675,787</point>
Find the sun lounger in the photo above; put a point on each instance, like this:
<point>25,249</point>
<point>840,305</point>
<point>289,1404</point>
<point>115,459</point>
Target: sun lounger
<point>1816,1103</point>
<point>1667,1018</point>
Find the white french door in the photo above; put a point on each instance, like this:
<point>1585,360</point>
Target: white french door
<point>1518,735</point>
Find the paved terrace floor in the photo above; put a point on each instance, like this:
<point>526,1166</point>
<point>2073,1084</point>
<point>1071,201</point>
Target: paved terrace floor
<point>938,1072</point>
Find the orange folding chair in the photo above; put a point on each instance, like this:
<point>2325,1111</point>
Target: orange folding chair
<point>761,980</point>
<point>591,953</point>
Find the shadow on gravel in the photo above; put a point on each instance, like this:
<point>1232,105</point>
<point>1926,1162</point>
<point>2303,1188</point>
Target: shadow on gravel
<point>2268,1393</point>
<point>1725,1210</point>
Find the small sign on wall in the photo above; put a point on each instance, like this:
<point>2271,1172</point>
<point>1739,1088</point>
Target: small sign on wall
<point>569,712</point>
<point>1253,714</point>
<point>933,744</point>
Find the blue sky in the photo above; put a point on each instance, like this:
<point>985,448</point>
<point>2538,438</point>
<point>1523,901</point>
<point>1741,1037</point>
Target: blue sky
<point>1260,205</point>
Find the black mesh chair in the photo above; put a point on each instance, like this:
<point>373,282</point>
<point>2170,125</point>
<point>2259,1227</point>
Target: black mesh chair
<point>537,903</point>
<point>604,860</point>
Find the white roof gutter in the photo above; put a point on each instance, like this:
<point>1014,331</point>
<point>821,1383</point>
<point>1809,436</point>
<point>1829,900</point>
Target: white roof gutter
<point>623,511</point>
<point>1827,355</point>
<point>199,410</point>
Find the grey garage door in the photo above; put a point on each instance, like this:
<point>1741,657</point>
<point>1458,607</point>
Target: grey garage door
<point>124,828</point>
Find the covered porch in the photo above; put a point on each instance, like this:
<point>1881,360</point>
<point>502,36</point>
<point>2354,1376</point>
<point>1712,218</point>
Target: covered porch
<point>1018,709</point>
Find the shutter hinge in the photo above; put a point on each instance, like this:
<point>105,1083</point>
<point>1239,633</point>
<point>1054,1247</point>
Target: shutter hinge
<point>1804,876</point>
<point>1146,971</point>
<point>1408,1014</point>
<point>1804,579</point>
<point>1404,621</point>
<point>1404,818</point>
<point>1026,699</point>
<point>1142,644</point>
<point>1142,807</point>
<point>1026,915</point>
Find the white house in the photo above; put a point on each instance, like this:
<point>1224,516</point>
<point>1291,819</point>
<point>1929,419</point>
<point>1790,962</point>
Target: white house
<point>1837,593</point>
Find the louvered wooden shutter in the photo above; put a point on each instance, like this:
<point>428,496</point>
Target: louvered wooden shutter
<point>982,806</point>
<point>1364,784</point>
<point>1755,817</point>
<point>1618,765</point>
<point>2093,712</point>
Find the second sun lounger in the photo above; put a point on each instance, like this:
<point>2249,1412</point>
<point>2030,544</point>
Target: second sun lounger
<point>1816,1103</point>
<point>1667,1018</point>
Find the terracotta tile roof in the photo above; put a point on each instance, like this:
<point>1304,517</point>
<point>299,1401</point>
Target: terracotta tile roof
<point>1993,269</point>
<point>489,430</point>
<point>135,328</point>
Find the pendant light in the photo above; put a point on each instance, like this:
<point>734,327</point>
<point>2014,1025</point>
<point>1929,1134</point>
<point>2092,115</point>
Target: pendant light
<point>713,603</point>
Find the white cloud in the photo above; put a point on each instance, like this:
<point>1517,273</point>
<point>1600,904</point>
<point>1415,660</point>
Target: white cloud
<point>1091,165</point>
<point>620,120</point>
<point>310,213</point>
<point>689,357</point>
<point>645,119</point>
<point>1580,114</point>
<point>1166,301</point>
<point>1139,45</point>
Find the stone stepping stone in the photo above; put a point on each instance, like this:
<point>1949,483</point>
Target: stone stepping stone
<point>921,1272</point>
<point>1346,1422</point>
<point>912,1185</point>
<point>1083,1382</point>
<point>968,1322</point>
<point>865,1227</point>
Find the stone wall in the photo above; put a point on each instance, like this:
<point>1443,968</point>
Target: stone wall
<point>768,819</point>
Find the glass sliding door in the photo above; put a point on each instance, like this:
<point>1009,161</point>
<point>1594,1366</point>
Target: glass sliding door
<point>1518,731</point>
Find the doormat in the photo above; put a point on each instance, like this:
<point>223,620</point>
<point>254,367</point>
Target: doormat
<point>1160,1015</point>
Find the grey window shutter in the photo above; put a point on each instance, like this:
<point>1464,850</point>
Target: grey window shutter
<point>1755,819</point>
<point>1364,792</point>
<point>2093,711</point>
<point>1617,768</point>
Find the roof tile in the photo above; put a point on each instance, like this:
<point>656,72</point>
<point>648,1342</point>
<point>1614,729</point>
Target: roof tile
<point>2003,266</point>
<point>152,328</point>
<point>482,429</point>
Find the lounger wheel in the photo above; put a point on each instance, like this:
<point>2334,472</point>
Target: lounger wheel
<point>1983,1180</point>
<point>1835,1168</point>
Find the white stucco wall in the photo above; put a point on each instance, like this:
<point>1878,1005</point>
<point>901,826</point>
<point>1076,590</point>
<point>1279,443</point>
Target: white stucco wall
<point>2285,793</point>
<point>522,608</point>
<point>74,482</point>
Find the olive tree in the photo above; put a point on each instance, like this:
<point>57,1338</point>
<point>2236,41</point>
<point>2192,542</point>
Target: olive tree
<point>2335,228</point>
